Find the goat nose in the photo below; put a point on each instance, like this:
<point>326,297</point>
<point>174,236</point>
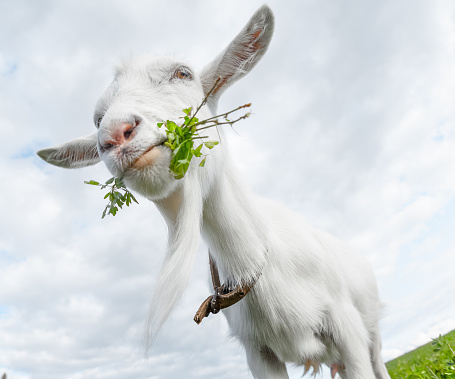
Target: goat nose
<point>119,135</point>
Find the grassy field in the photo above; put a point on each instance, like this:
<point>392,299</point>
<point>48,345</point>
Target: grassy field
<point>434,360</point>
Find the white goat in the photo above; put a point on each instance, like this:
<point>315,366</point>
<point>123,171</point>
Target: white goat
<point>314,302</point>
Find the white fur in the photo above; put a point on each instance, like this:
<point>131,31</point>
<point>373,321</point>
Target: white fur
<point>315,300</point>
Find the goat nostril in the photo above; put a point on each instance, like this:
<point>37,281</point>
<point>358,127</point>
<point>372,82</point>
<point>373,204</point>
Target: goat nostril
<point>127,133</point>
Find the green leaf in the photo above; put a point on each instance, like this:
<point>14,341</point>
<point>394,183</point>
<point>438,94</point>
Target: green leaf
<point>92,182</point>
<point>211,144</point>
<point>202,164</point>
<point>132,197</point>
<point>171,125</point>
<point>110,180</point>
<point>160,124</point>
<point>119,183</point>
<point>171,136</point>
<point>183,162</point>
<point>188,111</point>
<point>197,151</point>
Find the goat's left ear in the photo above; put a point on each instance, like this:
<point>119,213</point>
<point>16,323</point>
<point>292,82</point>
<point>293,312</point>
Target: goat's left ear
<point>79,152</point>
<point>241,55</point>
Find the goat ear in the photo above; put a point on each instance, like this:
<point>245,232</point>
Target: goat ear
<point>80,152</point>
<point>242,53</point>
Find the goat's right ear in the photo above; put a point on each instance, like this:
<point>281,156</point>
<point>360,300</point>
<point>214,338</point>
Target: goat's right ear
<point>80,152</point>
<point>241,55</point>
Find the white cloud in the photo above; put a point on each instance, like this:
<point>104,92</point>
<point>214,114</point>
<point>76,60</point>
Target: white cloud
<point>441,328</point>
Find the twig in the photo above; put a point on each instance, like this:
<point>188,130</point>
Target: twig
<point>216,123</point>
<point>204,101</point>
<point>221,115</point>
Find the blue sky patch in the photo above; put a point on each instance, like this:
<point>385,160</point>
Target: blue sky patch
<point>27,151</point>
<point>10,70</point>
<point>6,256</point>
<point>4,310</point>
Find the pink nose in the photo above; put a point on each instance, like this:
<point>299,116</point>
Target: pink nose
<point>119,135</point>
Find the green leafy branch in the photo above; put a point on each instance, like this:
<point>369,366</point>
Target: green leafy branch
<point>116,198</point>
<point>181,138</point>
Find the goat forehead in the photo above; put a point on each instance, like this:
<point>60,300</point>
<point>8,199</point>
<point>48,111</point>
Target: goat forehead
<point>149,65</point>
<point>139,76</point>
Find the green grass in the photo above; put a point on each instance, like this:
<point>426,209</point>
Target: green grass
<point>434,360</point>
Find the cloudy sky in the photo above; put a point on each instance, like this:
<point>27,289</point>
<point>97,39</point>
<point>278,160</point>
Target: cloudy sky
<point>353,127</point>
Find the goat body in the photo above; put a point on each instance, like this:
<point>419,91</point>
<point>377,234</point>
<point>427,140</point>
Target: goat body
<point>315,301</point>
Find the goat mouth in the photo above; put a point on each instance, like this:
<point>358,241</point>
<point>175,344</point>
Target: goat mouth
<point>148,157</point>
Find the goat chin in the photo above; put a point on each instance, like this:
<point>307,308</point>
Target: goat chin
<point>315,301</point>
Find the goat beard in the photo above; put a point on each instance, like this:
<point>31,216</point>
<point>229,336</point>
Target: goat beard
<point>181,251</point>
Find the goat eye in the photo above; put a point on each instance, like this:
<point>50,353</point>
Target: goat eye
<point>181,74</point>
